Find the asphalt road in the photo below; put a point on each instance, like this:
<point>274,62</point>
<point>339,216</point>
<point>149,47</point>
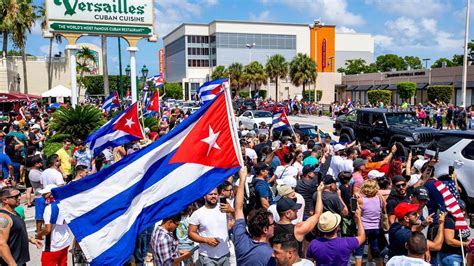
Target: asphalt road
<point>324,123</point>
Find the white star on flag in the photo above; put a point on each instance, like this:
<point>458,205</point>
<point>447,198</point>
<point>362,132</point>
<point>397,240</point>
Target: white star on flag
<point>129,122</point>
<point>211,140</point>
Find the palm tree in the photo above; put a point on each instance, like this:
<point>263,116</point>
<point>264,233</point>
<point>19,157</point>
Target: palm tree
<point>235,71</point>
<point>219,73</point>
<point>85,61</point>
<point>8,12</point>
<point>254,73</point>
<point>276,67</point>
<point>302,70</point>
<point>25,18</point>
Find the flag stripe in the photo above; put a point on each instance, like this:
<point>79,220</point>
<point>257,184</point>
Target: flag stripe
<point>160,210</point>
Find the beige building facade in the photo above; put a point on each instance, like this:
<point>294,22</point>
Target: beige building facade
<point>37,71</point>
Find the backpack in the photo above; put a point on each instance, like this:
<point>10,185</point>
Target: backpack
<point>250,197</point>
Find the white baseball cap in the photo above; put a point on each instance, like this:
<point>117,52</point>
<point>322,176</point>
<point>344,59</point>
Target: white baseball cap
<point>418,164</point>
<point>339,147</point>
<point>47,189</point>
<point>374,174</point>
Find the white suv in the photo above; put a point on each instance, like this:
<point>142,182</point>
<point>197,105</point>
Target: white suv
<point>456,148</point>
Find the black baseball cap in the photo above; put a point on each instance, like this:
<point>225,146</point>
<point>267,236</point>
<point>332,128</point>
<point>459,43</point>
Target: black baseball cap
<point>308,169</point>
<point>260,167</point>
<point>329,179</point>
<point>285,204</point>
<point>398,178</point>
<point>421,193</point>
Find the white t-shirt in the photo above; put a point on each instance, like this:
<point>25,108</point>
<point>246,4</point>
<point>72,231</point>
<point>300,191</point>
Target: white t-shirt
<point>51,176</point>
<point>339,164</point>
<point>286,171</point>
<point>406,261</point>
<point>211,223</point>
<point>299,214</point>
<point>251,153</point>
<point>304,262</point>
<point>60,236</point>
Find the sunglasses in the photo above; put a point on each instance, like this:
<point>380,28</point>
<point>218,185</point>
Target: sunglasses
<point>401,185</point>
<point>14,196</point>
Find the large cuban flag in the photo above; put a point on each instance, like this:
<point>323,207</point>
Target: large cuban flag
<point>107,210</point>
<point>123,128</point>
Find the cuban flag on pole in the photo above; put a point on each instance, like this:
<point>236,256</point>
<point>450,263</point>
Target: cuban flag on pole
<point>280,120</point>
<point>157,81</point>
<point>210,89</point>
<point>107,210</point>
<point>123,128</point>
<point>111,102</point>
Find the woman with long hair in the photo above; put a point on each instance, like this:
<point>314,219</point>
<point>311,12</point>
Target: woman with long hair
<point>371,205</point>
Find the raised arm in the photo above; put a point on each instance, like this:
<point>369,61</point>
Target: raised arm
<point>302,228</point>
<point>239,198</point>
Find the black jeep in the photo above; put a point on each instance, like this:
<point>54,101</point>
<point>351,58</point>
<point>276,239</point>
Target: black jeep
<point>391,126</point>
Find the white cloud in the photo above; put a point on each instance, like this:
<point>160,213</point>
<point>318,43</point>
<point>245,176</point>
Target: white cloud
<point>383,41</point>
<point>171,13</point>
<point>263,16</point>
<point>411,8</point>
<point>45,49</point>
<point>344,29</point>
<point>429,24</point>
<point>403,26</point>
<point>330,11</point>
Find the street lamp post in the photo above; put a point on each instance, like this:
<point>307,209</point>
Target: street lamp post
<point>18,81</point>
<point>426,62</point>
<point>250,46</point>
<point>144,72</point>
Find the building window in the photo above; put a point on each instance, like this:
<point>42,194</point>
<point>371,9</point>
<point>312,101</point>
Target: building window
<point>198,63</point>
<point>262,41</point>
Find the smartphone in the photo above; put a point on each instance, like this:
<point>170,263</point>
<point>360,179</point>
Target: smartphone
<point>353,204</point>
<point>222,200</point>
<point>436,156</point>
<point>451,170</point>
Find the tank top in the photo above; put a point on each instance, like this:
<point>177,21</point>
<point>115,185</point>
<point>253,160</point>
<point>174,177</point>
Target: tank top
<point>17,240</point>
<point>287,229</point>
<point>371,210</point>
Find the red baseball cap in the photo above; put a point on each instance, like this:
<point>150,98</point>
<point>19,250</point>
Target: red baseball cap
<point>365,153</point>
<point>404,208</point>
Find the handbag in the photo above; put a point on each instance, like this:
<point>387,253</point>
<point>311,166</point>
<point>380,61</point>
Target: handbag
<point>384,224</point>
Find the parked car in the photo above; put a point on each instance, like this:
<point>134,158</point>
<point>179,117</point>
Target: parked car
<point>304,130</point>
<point>252,119</point>
<point>276,108</point>
<point>455,148</point>
<point>392,127</point>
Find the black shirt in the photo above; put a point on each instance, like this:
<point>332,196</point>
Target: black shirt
<point>449,224</point>
<point>307,188</point>
<point>13,154</point>
<point>17,240</point>
<point>258,149</point>
<point>393,200</point>
<point>398,235</point>
<point>287,229</point>
<point>331,202</point>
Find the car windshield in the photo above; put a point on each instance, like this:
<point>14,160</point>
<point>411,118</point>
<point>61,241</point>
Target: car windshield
<point>262,114</point>
<point>394,119</point>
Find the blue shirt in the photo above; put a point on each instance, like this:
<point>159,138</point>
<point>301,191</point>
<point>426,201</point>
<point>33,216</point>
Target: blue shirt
<point>5,162</point>
<point>247,251</point>
<point>263,190</point>
<point>398,235</point>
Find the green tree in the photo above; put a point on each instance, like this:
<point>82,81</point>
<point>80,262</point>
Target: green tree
<point>24,20</point>
<point>377,96</point>
<point>235,71</point>
<point>276,68</point>
<point>388,62</point>
<point>173,90</point>
<point>302,70</point>
<point>8,13</point>
<point>458,60</point>
<point>219,73</point>
<point>439,63</point>
<point>354,66</point>
<point>406,90</point>
<point>371,68</point>
<point>254,74</point>
<point>413,62</point>
<point>85,61</point>
<point>440,93</point>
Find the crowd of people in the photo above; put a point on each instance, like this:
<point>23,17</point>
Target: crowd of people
<point>297,201</point>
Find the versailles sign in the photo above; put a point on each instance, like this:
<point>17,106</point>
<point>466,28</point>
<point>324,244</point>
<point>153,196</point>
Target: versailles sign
<point>112,17</point>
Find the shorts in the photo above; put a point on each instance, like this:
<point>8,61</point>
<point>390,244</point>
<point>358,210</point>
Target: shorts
<point>40,205</point>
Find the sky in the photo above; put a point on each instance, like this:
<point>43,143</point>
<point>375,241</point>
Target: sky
<point>423,28</point>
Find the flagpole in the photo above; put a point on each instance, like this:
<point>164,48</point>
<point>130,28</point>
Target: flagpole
<point>462,248</point>
<point>231,117</point>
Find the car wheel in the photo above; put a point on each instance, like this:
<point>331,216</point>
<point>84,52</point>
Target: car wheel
<point>344,138</point>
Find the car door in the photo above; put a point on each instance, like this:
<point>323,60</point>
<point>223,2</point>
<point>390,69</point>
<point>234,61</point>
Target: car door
<point>244,119</point>
<point>364,128</point>
<point>379,128</point>
<point>465,168</point>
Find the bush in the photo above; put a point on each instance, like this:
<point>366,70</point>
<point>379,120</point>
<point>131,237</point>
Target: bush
<point>78,122</point>
<point>406,90</point>
<point>244,94</point>
<point>58,137</point>
<point>442,93</point>
<point>309,95</point>
<point>151,123</point>
<point>377,96</point>
<point>173,90</point>
<point>95,84</point>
